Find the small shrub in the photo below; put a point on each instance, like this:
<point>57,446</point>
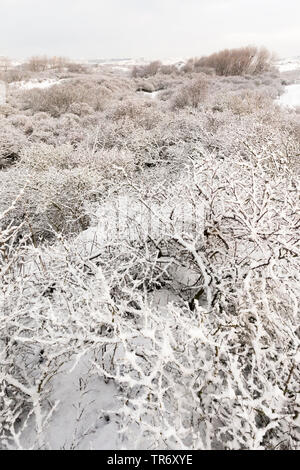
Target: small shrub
<point>192,94</point>
<point>149,70</point>
<point>16,74</point>
<point>6,110</point>
<point>42,156</point>
<point>80,109</point>
<point>11,143</point>
<point>73,67</point>
<point>144,114</point>
<point>168,69</point>
<point>248,102</point>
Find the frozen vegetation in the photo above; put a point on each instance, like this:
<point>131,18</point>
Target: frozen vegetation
<point>149,255</point>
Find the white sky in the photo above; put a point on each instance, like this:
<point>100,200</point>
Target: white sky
<point>146,28</point>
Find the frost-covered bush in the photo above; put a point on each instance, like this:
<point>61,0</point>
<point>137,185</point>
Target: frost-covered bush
<point>15,74</point>
<point>146,70</point>
<point>11,143</point>
<point>6,110</point>
<point>76,68</point>
<point>153,69</point>
<point>68,128</point>
<point>41,156</point>
<point>191,94</point>
<point>248,102</point>
<point>59,99</point>
<point>20,120</point>
<point>192,319</point>
<point>80,109</point>
<point>145,114</point>
<point>54,200</point>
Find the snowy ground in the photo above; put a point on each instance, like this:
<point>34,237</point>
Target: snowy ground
<point>153,94</point>
<point>35,84</point>
<point>83,417</point>
<point>288,64</point>
<point>291,96</point>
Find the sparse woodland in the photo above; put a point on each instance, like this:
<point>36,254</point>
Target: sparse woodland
<point>149,257</point>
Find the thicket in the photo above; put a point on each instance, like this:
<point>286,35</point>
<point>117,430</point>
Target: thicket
<point>243,60</point>
<point>149,247</point>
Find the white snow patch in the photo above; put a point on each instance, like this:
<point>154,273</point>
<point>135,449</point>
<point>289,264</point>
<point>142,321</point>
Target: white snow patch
<point>289,64</point>
<point>84,416</point>
<point>150,94</point>
<point>36,84</point>
<point>291,96</point>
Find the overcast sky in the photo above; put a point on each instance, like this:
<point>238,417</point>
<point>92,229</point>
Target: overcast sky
<point>146,28</point>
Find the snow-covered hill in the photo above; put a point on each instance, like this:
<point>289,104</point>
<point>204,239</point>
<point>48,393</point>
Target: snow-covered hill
<point>288,64</point>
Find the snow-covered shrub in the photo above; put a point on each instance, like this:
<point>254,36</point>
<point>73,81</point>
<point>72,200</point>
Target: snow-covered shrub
<point>168,69</point>
<point>216,367</point>
<point>216,371</point>
<point>145,114</point>
<point>76,68</point>
<point>15,74</point>
<point>11,143</point>
<point>68,128</point>
<point>149,270</point>
<point>146,70</point>
<point>194,65</point>
<point>6,110</point>
<point>248,102</point>
<point>20,120</point>
<point>42,156</point>
<point>191,94</point>
<point>80,109</point>
<point>59,99</point>
<point>54,200</point>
